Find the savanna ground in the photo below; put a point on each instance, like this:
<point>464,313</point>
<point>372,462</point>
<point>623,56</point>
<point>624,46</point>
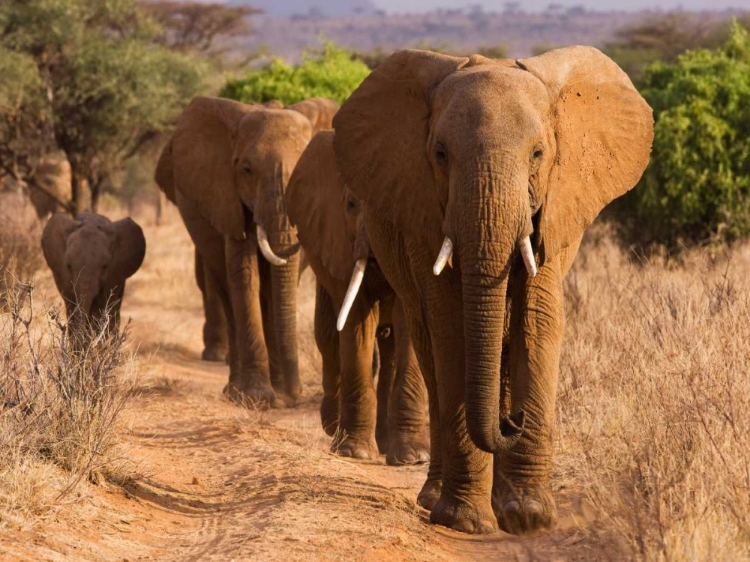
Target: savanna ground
<point>653,441</point>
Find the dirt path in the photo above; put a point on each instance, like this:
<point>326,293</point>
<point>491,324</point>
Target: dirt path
<point>222,483</point>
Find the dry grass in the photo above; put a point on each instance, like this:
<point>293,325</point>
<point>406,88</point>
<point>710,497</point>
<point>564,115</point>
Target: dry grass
<point>20,239</point>
<point>59,407</point>
<point>654,399</point>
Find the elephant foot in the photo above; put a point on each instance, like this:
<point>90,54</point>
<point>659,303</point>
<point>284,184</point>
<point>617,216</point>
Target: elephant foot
<point>464,517</point>
<point>286,393</point>
<point>430,494</point>
<point>214,354</point>
<point>250,396</point>
<point>329,415</point>
<point>522,511</point>
<point>381,438</point>
<point>361,449</point>
<point>408,448</point>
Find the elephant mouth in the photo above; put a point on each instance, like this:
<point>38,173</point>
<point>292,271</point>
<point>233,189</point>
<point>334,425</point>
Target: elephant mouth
<point>286,245</point>
<point>445,256</point>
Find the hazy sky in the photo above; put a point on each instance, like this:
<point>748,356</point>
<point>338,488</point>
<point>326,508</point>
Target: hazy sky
<point>529,5</point>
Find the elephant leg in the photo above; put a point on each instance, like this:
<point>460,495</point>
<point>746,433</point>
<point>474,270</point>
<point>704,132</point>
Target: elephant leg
<point>464,503</point>
<point>522,494</point>
<point>433,486</point>
<point>407,404</point>
<point>384,364</point>
<point>357,399</point>
<point>327,340</point>
<point>215,344</point>
<point>252,379</point>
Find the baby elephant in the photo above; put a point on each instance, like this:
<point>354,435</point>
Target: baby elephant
<point>329,226</point>
<point>90,258</point>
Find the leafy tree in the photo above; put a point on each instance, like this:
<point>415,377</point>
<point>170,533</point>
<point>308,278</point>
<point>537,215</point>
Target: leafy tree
<point>329,73</point>
<point>665,38</point>
<point>106,88</point>
<point>697,186</point>
<point>197,27</point>
<point>23,138</point>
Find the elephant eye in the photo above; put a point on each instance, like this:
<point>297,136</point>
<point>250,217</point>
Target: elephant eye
<point>247,169</point>
<point>441,154</point>
<point>351,206</point>
<point>538,153</point>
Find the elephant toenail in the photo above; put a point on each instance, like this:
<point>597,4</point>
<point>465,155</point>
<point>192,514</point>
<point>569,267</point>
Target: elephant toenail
<point>512,505</point>
<point>464,526</point>
<point>361,455</point>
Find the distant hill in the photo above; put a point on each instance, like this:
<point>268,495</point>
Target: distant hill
<point>456,30</point>
<point>460,31</point>
<point>329,8</point>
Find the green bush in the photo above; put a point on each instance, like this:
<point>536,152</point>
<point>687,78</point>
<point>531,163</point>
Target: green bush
<point>329,73</point>
<point>697,186</point>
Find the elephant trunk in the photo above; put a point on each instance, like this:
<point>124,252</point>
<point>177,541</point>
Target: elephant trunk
<point>284,281</point>
<point>493,224</point>
<point>277,238</point>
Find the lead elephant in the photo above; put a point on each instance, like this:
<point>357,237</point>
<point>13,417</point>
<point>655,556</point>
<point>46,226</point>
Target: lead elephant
<point>492,166</point>
<point>331,229</point>
<point>90,258</point>
<point>227,166</point>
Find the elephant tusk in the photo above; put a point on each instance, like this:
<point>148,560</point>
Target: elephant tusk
<point>351,293</point>
<point>527,253</point>
<point>446,252</point>
<point>265,247</point>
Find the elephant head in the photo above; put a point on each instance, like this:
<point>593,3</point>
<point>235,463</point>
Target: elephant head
<point>476,158</point>
<point>226,156</point>
<point>90,258</point>
<point>329,218</point>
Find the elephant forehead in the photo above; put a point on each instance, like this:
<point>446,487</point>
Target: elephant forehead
<point>274,125</point>
<point>90,241</point>
<point>491,108</point>
<point>496,90</point>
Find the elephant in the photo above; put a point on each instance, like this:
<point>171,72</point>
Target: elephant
<point>91,257</point>
<point>227,165</point>
<point>215,344</point>
<point>497,167</point>
<point>363,421</point>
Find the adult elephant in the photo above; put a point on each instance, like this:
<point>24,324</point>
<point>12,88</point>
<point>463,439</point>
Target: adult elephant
<point>91,257</point>
<point>330,227</point>
<point>472,160</point>
<point>228,165</point>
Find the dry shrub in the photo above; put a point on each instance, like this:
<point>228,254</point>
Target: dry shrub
<point>20,239</point>
<point>654,399</point>
<point>60,401</point>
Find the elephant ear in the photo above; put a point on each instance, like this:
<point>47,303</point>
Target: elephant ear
<point>315,204</point>
<point>202,151</point>
<point>129,249</point>
<point>164,174</point>
<point>603,132</point>
<point>319,111</point>
<point>54,244</point>
<point>381,141</point>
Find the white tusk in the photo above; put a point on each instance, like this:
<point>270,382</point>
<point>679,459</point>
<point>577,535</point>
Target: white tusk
<point>445,254</point>
<point>528,256</point>
<point>265,247</point>
<point>351,293</point>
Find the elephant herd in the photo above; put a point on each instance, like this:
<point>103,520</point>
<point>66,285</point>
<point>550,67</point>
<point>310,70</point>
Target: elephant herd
<point>440,209</point>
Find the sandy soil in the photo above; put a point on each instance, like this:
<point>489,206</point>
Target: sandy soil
<point>221,483</point>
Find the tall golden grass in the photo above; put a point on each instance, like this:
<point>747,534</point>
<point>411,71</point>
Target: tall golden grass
<point>654,399</point>
<point>60,402</point>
